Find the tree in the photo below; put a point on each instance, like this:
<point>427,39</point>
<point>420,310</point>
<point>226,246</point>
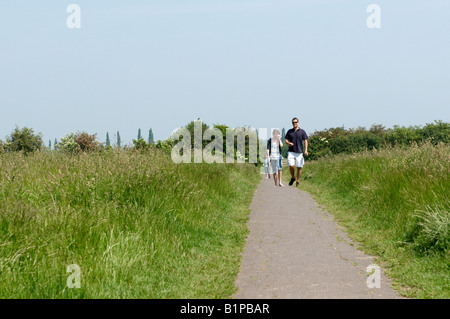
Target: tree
<point>118,139</point>
<point>67,144</point>
<point>223,129</point>
<point>108,143</point>
<point>86,142</point>
<point>150,137</point>
<point>24,140</point>
<point>140,144</point>
<point>438,131</point>
<point>139,135</point>
<point>49,145</point>
<point>377,129</point>
<point>54,144</point>
<point>191,128</point>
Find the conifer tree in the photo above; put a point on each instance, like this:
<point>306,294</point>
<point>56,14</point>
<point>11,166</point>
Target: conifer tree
<point>118,139</point>
<point>150,137</point>
<point>108,143</point>
<point>139,135</point>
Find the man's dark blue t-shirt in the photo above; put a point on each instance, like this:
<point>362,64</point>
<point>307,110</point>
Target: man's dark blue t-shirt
<point>296,137</point>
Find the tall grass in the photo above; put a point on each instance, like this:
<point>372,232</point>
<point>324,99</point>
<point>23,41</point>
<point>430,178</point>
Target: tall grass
<point>137,225</point>
<point>394,201</point>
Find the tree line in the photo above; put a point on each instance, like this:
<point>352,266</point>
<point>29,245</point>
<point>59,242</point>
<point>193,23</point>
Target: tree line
<point>340,140</point>
<point>321,143</point>
<point>26,140</point>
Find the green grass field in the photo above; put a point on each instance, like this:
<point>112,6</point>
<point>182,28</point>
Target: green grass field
<point>137,225</point>
<point>395,202</point>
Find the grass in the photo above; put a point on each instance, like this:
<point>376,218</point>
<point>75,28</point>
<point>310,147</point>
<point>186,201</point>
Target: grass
<point>137,225</point>
<point>395,202</point>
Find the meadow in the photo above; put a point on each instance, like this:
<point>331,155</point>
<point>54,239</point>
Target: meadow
<point>136,224</point>
<point>395,203</point>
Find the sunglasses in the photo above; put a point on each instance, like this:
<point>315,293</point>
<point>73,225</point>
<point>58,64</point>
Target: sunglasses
<point>294,122</point>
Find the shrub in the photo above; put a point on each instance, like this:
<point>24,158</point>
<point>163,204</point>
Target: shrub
<point>140,144</point>
<point>317,147</point>
<point>339,140</point>
<point>1,147</point>
<point>437,132</point>
<point>400,135</point>
<point>86,142</point>
<point>67,144</point>
<point>364,140</point>
<point>377,129</point>
<point>23,140</point>
<point>166,145</point>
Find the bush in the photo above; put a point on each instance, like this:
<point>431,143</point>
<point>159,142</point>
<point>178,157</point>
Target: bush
<point>437,132</point>
<point>79,142</point>
<point>86,142</point>
<point>339,140</point>
<point>67,144</point>
<point>140,144</point>
<point>166,145</point>
<point>364,140</point>
<point>318,147</point>
<point>403,135</point>
<point>23,140</point>
<point>1,147</point>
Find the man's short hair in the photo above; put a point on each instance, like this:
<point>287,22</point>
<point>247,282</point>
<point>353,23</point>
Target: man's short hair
<point>295,119</point>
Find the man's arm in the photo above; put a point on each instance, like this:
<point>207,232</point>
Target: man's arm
<point>306,147</point>
<point>286,140</point>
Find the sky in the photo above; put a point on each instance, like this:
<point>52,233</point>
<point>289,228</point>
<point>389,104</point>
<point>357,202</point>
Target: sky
<point>259,63</point>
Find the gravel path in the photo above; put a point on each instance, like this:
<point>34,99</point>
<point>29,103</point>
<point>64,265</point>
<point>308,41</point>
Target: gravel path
<point>296,250</point>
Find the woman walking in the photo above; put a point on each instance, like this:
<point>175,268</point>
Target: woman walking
<point>274,146</point>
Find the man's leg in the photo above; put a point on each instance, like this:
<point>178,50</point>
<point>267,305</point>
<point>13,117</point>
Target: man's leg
<point>299,174</point>
<point>299,164</point>
<point>291,163</point>
<point>292,169</point>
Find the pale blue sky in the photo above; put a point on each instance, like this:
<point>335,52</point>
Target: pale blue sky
<point>160,64</point>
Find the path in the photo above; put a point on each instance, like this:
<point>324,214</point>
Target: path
<point>296,250</point>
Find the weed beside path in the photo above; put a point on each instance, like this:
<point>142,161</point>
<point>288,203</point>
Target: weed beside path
<point>396,203</point>
<point>136,224</point>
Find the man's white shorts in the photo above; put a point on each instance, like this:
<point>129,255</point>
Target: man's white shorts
<point>295,159</point>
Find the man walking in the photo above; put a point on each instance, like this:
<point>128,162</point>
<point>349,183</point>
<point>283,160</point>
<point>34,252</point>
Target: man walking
<point>294,138</point>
